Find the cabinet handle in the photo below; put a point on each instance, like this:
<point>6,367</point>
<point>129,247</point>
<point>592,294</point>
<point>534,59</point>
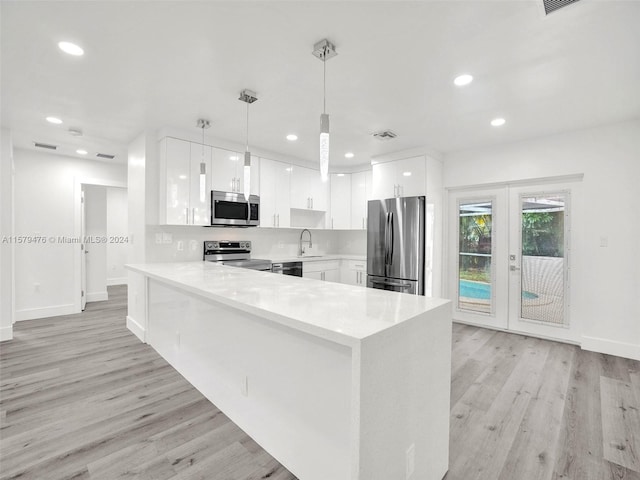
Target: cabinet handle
<point>332,223</point>
<point>186,211</point>
<point>321,275</point>
<point>311,203</point>
<point>193,216</point>
<point>278,219</point>
<point>274,219</point>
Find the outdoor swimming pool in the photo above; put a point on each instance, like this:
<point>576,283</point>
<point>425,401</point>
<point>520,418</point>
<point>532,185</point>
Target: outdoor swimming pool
<point>482,291</point>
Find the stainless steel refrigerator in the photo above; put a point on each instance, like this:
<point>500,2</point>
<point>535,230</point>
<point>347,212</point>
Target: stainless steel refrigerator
<point>395,244</point>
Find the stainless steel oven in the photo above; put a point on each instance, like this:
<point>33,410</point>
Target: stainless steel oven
<point>231,209</point>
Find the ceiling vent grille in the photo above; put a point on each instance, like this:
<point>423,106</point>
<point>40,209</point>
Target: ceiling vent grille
<point>385,135</point>
<point>105,155</point>
<point>45,145</point>
<point>553,5</point>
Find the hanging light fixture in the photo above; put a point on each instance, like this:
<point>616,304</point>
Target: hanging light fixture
<point>248,97</point>
<point>324,50</point>
<point>202,123</point>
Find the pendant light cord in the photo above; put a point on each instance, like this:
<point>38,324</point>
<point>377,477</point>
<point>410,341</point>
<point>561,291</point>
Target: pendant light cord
<point>324,80</point>
<point>247,127</point>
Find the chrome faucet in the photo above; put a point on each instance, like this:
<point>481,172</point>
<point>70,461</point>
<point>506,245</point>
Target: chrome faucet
<point>300,247</point>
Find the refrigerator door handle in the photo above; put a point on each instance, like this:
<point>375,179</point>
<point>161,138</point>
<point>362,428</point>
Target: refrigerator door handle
<point>391,284</point>
<point>391,237</point>
<point>386,240</point>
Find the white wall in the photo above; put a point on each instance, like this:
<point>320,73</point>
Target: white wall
<point>117,229</point>
<point>6,230</point>
<point>95,208</point>
<point>46,192</point>
<point>605,280</point>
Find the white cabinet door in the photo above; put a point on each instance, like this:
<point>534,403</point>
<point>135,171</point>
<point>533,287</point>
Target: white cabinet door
<point>400,178</point>
<point>200,185</point>
<point>354,272</point>
<point>332,275</point>
<point>314,275</point>
<point>340,201</point>
<point>308,191</point>
<point>225,170</point>
<point>175,170</point>
<point>274,200</point>
<point>384,180</point>
<point>411,178</point>
<point>361,183</point>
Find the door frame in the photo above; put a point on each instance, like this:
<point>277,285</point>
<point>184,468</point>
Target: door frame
<point>559,183</point>
<point>78,183</point>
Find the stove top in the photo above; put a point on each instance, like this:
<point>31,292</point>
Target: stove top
<point>234,254</point>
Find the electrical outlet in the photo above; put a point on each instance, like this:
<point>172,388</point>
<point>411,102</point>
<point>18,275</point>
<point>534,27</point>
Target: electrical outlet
<point>244,387</point>
<point>167,238</point>
<point>411,460</point>
<point>158,238</point>
<point>193,245</point>
<point>180,245</point>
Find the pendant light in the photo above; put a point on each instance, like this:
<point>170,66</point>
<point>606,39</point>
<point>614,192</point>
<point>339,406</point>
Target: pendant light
<point>248,97</point>
<point>324,50</point>
<point>202,123</point>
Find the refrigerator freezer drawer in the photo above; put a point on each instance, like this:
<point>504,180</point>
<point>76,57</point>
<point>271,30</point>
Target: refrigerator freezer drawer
<point>393,284</point>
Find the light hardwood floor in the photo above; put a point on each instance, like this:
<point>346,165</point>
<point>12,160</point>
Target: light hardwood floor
<point>82,398</point>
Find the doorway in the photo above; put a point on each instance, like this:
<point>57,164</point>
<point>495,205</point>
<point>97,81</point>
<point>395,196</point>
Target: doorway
<point>510,262</point>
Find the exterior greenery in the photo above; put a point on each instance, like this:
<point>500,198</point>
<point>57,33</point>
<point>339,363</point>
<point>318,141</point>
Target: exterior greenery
<point>475,237</point>
<point>543,234</point>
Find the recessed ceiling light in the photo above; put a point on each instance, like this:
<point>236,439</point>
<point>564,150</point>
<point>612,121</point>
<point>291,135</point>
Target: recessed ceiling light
<point>349,155</point>
<point>462,80</point>
<point>234,158</point>
<point>498,122</point>
<point>71,48</point>
<point>81,151</point>
<point>406,174</point>
<point>341,174</point>
<point>288,169</point>
<point>54,120</point>
<point>292,137</point>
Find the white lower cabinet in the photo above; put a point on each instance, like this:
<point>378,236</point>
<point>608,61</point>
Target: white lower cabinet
<point>327,270</point>
<point>354,272</point>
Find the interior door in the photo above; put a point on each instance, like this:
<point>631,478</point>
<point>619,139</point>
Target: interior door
<point>83,253</point>
<point>539,252</point>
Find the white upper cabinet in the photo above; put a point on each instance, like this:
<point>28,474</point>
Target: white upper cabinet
<point>228,172</point>
<point>275,181</point>
<point>400,178</point>
<point>308,191</point>
<point>361,191</point>
<point>340,201</point>
<point>181,183</point>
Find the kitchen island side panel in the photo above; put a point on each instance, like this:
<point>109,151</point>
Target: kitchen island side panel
<point>405,375</point>
<point>288,390</point>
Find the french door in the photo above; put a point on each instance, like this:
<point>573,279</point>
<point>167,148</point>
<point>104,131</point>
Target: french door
<point>510,264</point>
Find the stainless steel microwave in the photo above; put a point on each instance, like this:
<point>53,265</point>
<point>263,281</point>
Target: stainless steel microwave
<point>231,209</point>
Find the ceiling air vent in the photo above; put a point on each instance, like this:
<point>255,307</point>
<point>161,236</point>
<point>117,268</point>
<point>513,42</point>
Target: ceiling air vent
<point>553,5</point>
<point>385,135</point>
<point>105,155</point>
<point>45,145</point>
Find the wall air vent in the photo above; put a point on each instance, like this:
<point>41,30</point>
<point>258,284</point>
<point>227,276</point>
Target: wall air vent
<point>105,155</point>
<point>45,145</point>
<point>553,5</point>
<point>385,135</point>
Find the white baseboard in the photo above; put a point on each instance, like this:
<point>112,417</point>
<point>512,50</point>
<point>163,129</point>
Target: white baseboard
<point>43,312</point>
<point>136,328</point>
<point>116,281</point>
<point>610,347</point>
<point>97,296</point>
<point>6,333</point>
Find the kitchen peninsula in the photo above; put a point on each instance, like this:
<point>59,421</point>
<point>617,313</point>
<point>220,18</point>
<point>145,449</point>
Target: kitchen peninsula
<point>335,381</point>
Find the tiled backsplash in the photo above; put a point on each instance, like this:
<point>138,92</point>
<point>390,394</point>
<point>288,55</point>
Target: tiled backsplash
<point>178,244</point>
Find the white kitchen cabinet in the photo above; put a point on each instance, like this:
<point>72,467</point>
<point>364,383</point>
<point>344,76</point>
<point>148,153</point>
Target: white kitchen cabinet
<point>308,191</point>
<point>354,272</point>
<point>228,172</point>
<point>184,193</point>
<point>275,181</point>
<point>400,178</point>
<point>361,185</point>
<point>327,270</point>
<point>340,201</point>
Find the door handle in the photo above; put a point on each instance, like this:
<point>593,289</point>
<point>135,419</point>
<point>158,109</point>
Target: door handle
<point>391,239</point>
<point>513,268</point>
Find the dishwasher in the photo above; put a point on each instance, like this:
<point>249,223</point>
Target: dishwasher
<point>287,268</point>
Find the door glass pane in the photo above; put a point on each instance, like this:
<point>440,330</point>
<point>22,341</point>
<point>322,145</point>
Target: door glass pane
<point>474,257</point>
<point>543,263</point>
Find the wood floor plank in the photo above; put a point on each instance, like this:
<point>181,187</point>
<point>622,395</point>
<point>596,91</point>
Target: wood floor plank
<point>620,423</point>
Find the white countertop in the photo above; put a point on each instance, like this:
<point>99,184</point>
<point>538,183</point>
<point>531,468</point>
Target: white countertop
<point>341,313</point>
<point>314,258</point>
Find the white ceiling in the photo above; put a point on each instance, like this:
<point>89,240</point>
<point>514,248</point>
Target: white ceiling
<point>149,65</point>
